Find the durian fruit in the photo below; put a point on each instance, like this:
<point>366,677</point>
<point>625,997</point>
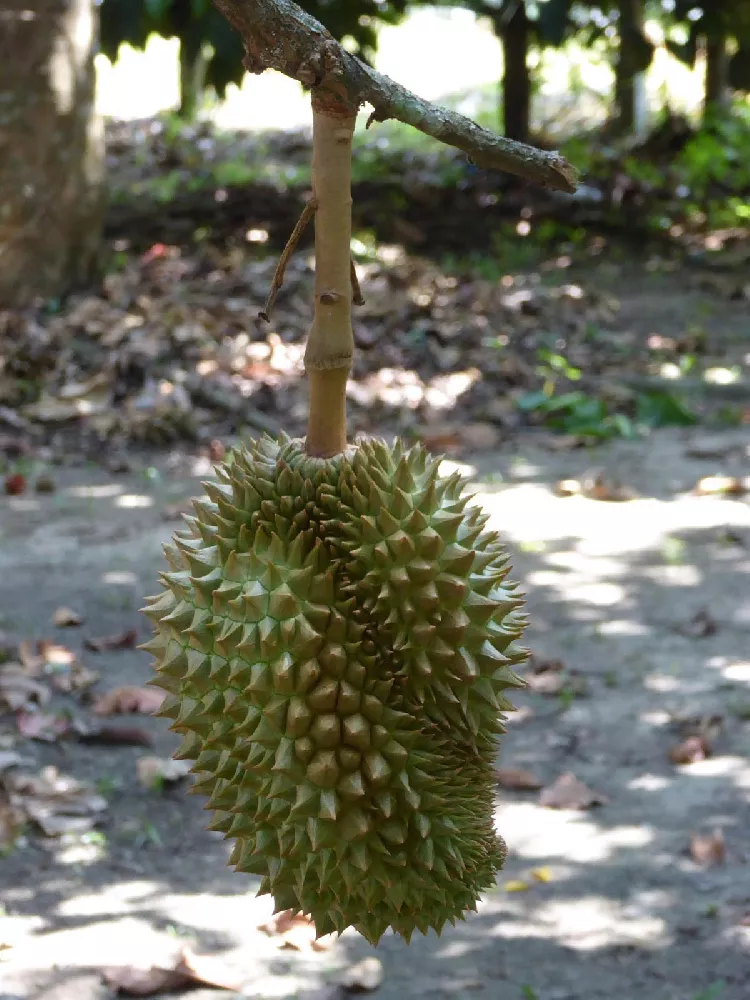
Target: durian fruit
<point>336,638</point>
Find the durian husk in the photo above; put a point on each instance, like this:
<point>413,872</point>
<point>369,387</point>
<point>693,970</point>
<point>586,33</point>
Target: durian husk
<point>337,637</point>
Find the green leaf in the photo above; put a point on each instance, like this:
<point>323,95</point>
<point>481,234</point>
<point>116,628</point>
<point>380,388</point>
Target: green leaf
<point>662,409</point>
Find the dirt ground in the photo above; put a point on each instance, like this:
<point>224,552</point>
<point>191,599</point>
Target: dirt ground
<point>605,902</point>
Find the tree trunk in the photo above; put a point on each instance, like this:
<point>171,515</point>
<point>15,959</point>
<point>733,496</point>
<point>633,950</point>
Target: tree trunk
<point>516,96</point>
<point>630,84</point>
<point>51,149</point>
<point>716,85</point>
<point>192,82</point>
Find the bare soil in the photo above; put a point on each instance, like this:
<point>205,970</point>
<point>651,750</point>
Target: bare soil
<point>601,903</point>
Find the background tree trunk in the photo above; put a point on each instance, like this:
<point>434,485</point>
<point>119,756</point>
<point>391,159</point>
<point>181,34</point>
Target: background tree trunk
<point>51,149</point>
<point>192,82</point>
<point>631,106</point>
<point>516,96</point>
<point>717,75</point>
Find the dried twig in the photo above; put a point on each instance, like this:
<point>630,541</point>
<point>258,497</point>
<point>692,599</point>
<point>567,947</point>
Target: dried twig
<point>280,35</point>
<point>278,277</point>
<point>356,290</point>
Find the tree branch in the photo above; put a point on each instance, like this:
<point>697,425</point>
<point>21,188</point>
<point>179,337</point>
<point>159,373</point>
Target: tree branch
<point>279,35</point>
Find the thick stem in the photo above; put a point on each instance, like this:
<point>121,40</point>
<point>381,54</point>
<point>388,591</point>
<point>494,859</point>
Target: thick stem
<point>330,344</point>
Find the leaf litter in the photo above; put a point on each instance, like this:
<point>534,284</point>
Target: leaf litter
<point>186,970</point>
<point>53,802</point>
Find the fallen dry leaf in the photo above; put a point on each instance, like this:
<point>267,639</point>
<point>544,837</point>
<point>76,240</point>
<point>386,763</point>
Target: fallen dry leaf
<point>706,726</point>
<point>722,485</point>
<point>441,439</point>
<point>120,640</point>
<point>296,931</point>
<point>541,874</point>
<point>12,820</point>
<point>15,485</point>
<point>599,486</point>
<point>18,691</point>
<point>517,779</point>
<point>45,726</point>
<point>364,976</point>
<point>479,436</point>
<point>567,792</point>
<point>54,656</point>
<point>45,484</point>
<point>707,849</point>
<point>187,969</point>
<point>550,677</point>
<point>65,617</point>
<point>56,803</point>
<point>77,678</point>
<point>516,885</point>
<point>701,625</point>
<point>31,661</point>
<point>127,700</point>
<point>567,488</point>
<point>690,751</point>
<point>153,772</point>
<point>112,736</point>
<point>134,982</point>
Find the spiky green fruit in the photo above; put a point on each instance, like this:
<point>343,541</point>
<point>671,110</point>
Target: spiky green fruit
<point>336,638</point>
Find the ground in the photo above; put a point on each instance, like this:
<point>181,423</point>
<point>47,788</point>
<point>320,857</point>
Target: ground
<point>646,604</point>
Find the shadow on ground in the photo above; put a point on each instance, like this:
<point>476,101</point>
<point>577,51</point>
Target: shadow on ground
<point>623,910</point>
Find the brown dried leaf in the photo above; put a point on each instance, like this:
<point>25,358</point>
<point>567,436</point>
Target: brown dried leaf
<point>18,691</point>
<point>11,822</point>
<point>364,976</point>
<point>78,678</point>
<point>690,751</point>
<point>113,736</point>
<point>134,982</point>
<point>45,484</point>
<point>127,700</point>
<point>547,677</point>
<point>479,436</point>
<point>598,486</point>
<point>722,486</point>
<point>31,661</point>
<point>15,485</point>
<point>296,931</point>
<point>45,726</point>
<point>64,617</point>
<point>517,779</point>
<point>567,488</point>
<point>707,849</point>
<point>187,969</point>
<point>54,656</point>
<point>701,625</point>
<point>57,804</point>
<point>441,438</point>
<point>567,792</point>
<point>120,640</point>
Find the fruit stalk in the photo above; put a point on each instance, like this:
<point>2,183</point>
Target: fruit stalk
<point>330,343</point>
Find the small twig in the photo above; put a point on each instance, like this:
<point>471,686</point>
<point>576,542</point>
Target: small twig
<point>356,290</point>
<point>278,277</point>
<point>279,35</point>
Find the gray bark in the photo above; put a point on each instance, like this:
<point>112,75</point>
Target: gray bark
<point>51,149</point>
